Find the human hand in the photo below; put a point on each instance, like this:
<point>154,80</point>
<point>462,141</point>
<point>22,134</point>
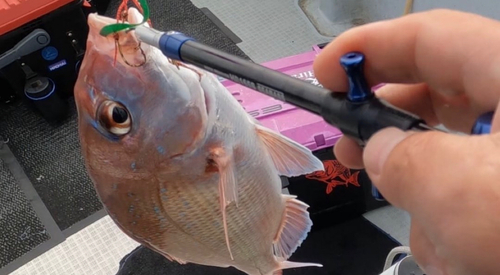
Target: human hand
<point>445,67</point>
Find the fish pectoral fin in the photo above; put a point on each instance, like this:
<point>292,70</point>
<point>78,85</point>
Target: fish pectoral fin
<point>224,162</point>
<point>227,185</point>
<point>290,158</point>
<point>295,225</point>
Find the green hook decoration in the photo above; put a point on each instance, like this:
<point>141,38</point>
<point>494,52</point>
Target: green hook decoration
<point>114,28</point>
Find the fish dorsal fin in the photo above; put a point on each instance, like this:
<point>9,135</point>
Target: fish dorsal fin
<point>295,225</point>
<point>228,192</point>
<point>290,158</point>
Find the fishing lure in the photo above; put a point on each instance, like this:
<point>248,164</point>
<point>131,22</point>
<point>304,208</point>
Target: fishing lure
<point>121,15</point>
<point>143,8</point>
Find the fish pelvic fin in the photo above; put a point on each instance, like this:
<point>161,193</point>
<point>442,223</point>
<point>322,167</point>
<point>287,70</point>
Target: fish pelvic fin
<point>227,185</point>
<point>295,225</point>
<point>288,265</point>
<point>290,158</point>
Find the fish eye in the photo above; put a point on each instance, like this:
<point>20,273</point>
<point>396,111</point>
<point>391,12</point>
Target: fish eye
<point>115,118</point>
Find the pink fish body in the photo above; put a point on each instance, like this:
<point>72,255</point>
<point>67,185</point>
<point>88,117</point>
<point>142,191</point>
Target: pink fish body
<point>180,166</point>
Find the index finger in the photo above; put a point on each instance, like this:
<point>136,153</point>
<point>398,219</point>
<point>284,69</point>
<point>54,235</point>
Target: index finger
<point>453,52</point>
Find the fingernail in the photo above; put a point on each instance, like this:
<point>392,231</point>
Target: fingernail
<point>379,147</point>
<point>431,270</point>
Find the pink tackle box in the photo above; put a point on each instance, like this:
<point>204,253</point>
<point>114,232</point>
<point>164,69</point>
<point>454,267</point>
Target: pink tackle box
<point>338,193</point>
<point>306,128</point>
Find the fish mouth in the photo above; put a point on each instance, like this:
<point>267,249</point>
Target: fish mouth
<point>97,22</point>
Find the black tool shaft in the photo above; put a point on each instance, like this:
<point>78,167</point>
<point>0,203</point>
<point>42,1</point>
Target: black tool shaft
<point>359,120</point>
<point>257,77</point>
<point>363,120</point>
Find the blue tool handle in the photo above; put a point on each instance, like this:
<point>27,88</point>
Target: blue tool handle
<point>483,124</point>
<point>171,43</point>
<point>360,93</point>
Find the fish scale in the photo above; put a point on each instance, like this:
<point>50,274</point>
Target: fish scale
<point>236,221</point>
<point>167,177</point>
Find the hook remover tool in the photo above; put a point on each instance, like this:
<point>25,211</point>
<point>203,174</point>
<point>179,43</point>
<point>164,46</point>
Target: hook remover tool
<point>358,113</point>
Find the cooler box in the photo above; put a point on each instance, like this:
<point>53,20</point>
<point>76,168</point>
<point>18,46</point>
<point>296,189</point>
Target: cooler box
<point>41,45</point>
<point>334,195</point>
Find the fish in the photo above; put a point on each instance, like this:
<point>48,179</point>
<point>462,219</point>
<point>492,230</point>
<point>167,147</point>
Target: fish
<point>179,165</point>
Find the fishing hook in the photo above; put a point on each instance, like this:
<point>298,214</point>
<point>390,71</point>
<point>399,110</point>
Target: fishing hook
<point>123,14</point>
<point>138,47</point>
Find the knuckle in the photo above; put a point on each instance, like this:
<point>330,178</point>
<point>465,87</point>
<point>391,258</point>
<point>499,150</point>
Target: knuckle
<point>439,13</point>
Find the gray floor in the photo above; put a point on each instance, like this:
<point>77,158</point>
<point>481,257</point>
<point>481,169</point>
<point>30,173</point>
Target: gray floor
<point>395,222</point>
<point>95,250</point>
<point>269,29</point>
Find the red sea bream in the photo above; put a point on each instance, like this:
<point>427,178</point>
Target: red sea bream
<point>180,166</point>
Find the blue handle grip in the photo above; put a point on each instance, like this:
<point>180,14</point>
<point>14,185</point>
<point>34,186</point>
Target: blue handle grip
<point>483,124</point>
<point>171,42</point>
<point>360,92</point>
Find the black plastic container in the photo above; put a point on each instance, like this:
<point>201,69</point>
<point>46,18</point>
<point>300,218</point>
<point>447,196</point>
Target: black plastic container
<point>8,93</point>
<point>336,195</point>
<point>41,91</point>
<point>100,6</point>
<point>57,61</point>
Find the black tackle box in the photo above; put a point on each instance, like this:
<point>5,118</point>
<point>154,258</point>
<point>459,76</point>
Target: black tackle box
<point>335,195</point>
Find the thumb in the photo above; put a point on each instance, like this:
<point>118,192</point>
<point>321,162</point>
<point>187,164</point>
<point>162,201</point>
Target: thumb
<point>407,167</point>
